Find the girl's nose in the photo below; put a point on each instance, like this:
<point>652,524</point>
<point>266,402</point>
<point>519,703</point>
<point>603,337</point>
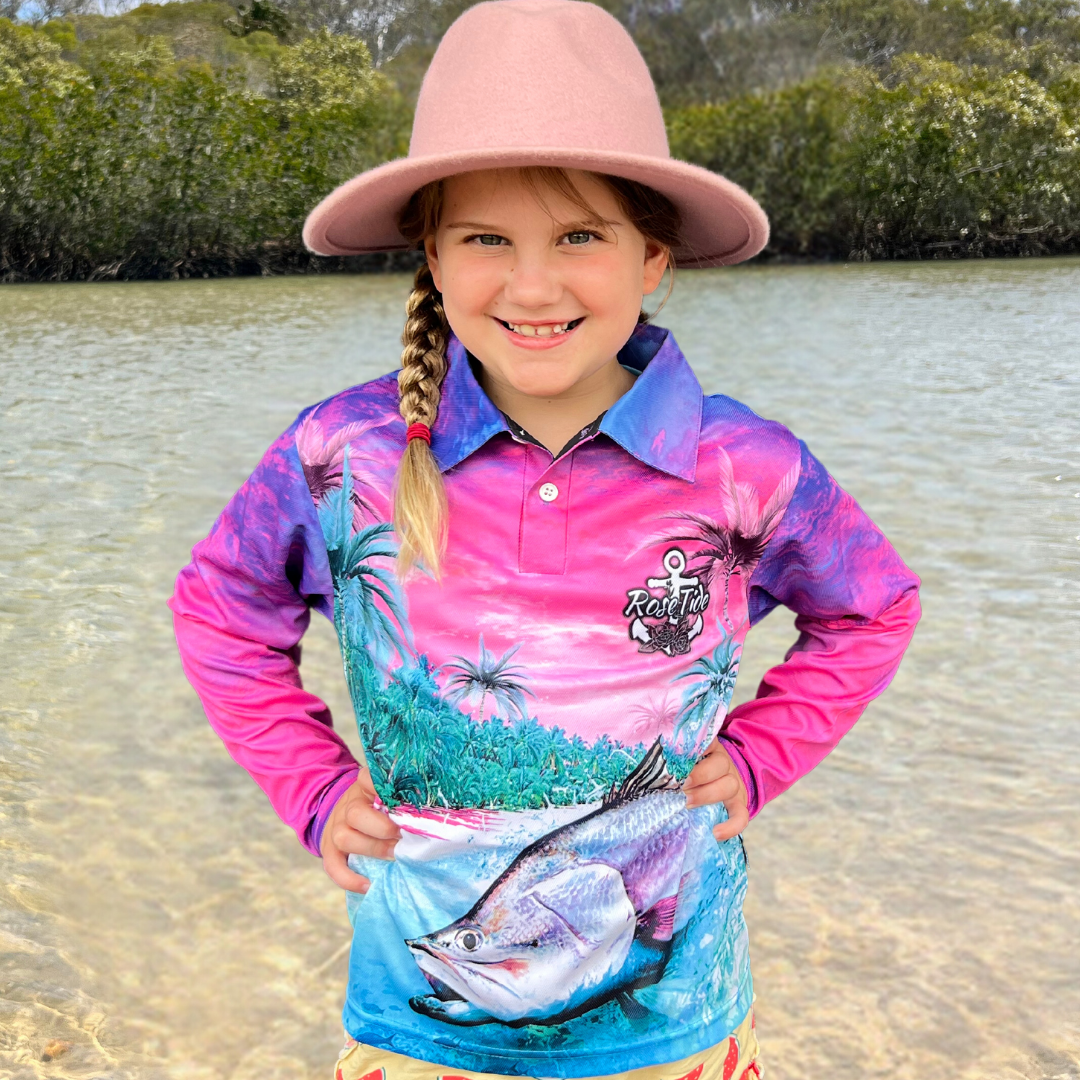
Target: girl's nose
<point>532,282</point>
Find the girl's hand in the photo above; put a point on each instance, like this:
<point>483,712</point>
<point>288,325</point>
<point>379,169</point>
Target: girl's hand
<point>714,779</point>
<point>355,827</point>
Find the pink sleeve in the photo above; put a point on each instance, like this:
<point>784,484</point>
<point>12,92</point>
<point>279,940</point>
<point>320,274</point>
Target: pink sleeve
<point>857,606</point>
<point>240,609</point>
<point>807,704</point>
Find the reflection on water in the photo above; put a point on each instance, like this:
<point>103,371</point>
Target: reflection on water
<point>914,904</point>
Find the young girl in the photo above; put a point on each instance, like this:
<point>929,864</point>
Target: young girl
<point>542,548</point>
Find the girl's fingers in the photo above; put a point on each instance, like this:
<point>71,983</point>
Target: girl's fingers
<point>366,819</point>
<point>356,842</point>
<point>714,779</point>
<point>356,828</point>
<point>717,791</point>
<point>336,864</point>
<point>706,777</point>
<point>711,767</point>
<point>738,819</point>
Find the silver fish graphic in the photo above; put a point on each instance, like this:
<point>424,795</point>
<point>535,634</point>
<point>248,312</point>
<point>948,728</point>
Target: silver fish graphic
<point>582,915</point>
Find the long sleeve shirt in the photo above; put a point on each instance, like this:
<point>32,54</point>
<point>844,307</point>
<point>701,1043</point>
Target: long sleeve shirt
<point>553,908</point>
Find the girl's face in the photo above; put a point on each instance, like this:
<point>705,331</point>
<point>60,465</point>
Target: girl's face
<point>542,297</point>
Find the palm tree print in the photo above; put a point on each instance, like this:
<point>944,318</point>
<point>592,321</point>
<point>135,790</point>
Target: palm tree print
<point>736,546</point>
<point>655,717</point>
<point>360,583</point>
<point>323,460</point>
<point>709,696</point>
<point>424,751</point>
<point>505,682</point>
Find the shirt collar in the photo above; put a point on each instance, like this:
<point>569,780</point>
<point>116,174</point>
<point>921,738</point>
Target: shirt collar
<point>658,420</point>
<point>467,418</point>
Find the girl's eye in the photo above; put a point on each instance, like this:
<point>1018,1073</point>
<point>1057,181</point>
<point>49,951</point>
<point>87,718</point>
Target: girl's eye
<point>578,237</point>
<point>488,239</point>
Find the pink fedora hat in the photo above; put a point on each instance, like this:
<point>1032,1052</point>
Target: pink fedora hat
<point>539,82</point>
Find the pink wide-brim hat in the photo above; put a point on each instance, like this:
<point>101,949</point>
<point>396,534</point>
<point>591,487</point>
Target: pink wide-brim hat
<point>540,82</point>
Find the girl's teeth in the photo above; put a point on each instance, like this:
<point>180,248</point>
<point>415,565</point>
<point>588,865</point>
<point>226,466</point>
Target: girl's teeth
<point>538,331</point>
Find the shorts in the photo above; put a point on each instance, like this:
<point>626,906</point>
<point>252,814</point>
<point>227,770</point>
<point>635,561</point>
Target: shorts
<point>733,1059</point>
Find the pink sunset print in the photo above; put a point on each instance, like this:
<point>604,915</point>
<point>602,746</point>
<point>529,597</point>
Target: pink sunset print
<point>570,661</point>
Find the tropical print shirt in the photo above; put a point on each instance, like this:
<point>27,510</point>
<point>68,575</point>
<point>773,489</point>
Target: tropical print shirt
<point>553,908</point>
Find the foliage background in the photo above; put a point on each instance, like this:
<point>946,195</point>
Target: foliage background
<point>191,138</point>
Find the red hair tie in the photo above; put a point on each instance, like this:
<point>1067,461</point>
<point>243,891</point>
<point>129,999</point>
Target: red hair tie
<point>418,431</point>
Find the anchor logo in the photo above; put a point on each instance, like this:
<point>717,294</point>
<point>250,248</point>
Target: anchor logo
<point>678,611</point>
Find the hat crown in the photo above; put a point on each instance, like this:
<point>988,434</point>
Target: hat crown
<point>512,74</point>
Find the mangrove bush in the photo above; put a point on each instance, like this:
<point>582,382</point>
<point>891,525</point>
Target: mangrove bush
<point>136,165</point>
<point>929,159</point>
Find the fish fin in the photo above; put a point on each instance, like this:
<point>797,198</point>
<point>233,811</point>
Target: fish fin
<point>631,1007</point>
<point>650,774</point>
<point>659,921</point>
<point>452,1012</point>
<point>589,898</point>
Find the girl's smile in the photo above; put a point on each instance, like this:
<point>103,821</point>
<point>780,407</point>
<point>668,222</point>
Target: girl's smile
<point>540,335</point>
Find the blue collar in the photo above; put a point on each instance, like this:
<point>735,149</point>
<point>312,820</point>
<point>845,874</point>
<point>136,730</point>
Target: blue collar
<point>658,420</point>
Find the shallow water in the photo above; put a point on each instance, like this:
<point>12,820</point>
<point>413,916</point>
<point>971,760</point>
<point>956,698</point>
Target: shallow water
<point>914,904</point>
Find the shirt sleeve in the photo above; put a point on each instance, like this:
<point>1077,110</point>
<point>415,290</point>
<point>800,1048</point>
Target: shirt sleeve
<point>856,605</point>
<point>240,608</point>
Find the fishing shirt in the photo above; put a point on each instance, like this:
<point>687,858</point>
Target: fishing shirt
<point>553,908</point>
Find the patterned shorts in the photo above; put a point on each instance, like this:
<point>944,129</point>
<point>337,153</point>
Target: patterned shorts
<point>733,1059</point>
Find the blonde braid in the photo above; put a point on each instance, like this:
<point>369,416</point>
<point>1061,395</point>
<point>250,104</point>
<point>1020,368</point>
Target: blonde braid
<point>419,497</point>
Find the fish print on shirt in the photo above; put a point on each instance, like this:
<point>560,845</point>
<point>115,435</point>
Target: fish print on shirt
<point>582,915</point>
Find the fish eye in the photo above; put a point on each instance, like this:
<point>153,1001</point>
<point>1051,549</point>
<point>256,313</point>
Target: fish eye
<point>470,940</point>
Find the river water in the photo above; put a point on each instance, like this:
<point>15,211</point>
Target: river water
<point>914,905</point>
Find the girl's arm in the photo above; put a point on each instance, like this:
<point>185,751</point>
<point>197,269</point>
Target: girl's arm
<point>240,609</point>
<point>857,605</point>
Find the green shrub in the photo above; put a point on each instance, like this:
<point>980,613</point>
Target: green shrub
<point>29,58</point>
<point>948,160</point>
<point>784,148</point>
<point>930,159</point>
<point>145,168</point>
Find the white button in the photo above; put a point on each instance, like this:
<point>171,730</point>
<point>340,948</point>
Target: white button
<point>549,492</point>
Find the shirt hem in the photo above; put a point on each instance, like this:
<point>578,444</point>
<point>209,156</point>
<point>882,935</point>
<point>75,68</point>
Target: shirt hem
<point>573,1065</point>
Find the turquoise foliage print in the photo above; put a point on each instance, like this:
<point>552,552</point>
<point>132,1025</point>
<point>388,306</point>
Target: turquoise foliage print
<point>713,684</point>
<point>411,727</point>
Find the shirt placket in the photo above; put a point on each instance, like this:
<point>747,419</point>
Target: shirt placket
<point>545,507</point>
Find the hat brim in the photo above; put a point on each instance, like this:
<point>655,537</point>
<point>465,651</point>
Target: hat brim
<point>721,223</point>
